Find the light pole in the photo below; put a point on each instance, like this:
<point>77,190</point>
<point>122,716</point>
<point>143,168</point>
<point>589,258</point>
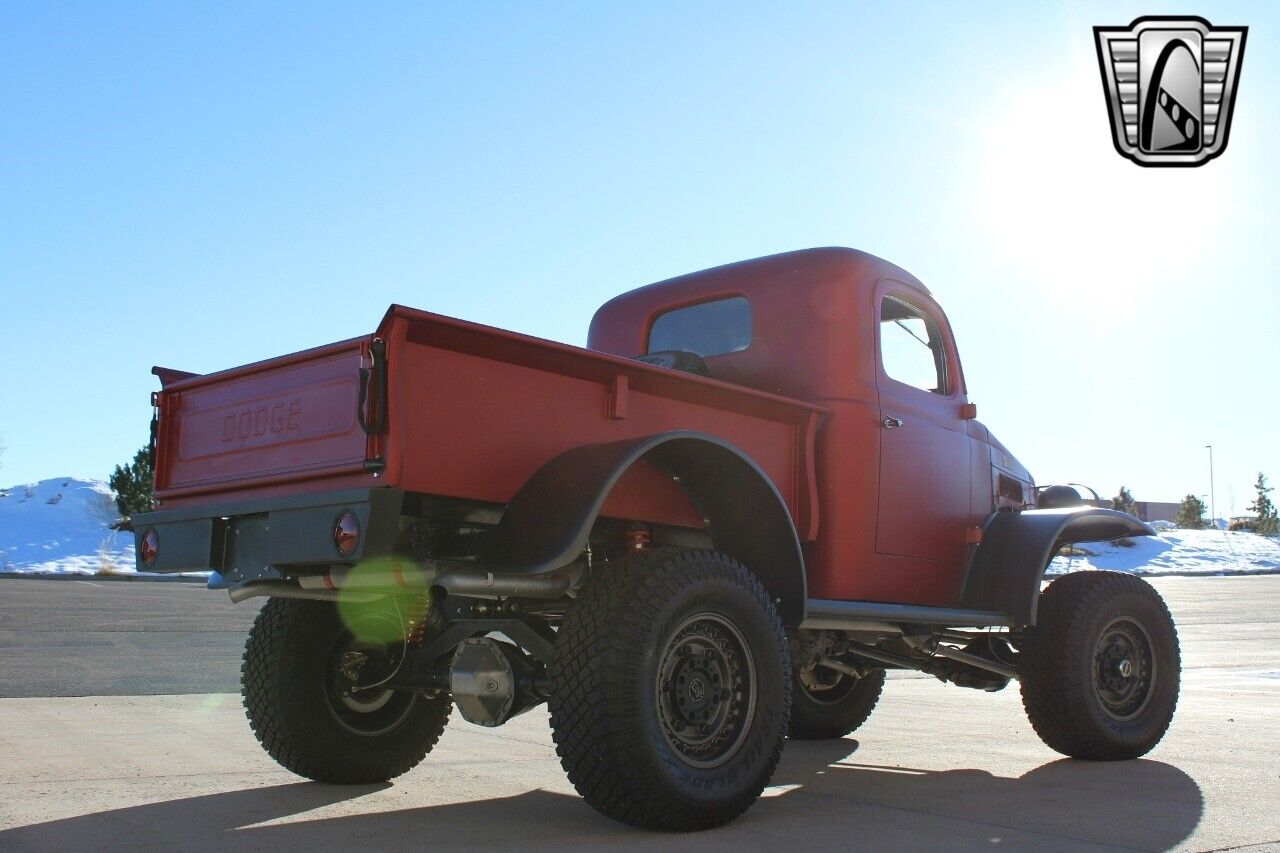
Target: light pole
<point>1213,513</point>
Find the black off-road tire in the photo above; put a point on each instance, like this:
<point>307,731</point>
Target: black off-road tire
<point>285,678</point>
<point>621,654</point>
<point>1072,663</point>
<point>816,716</point>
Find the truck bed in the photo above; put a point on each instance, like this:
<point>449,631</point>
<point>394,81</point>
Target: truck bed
<point>462,411</point>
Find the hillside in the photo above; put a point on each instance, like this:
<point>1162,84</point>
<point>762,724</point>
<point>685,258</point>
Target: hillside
<point>1180,552</point>
<point>61,525</point>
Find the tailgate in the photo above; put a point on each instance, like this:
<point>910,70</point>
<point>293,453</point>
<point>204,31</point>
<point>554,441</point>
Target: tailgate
<point>288,419</point>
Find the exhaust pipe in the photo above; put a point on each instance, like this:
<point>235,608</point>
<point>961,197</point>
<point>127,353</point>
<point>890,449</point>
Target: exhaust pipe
<point>490,585</point>
<point>288,589</point>
<point>401,576</point>
<point>418,577</point>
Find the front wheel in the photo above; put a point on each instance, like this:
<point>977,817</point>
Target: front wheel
<point>310,681</point>
<point>669,690</point>
<point>1101,668</point>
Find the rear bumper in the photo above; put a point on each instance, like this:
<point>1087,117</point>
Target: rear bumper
<point>262,539</point>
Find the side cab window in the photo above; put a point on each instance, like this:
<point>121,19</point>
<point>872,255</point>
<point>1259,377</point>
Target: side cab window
<point>913,350</point>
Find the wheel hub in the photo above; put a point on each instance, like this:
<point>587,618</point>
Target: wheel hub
<point>1123,668</point>
<point>826,686</point>
<point>706,690</point>
<point>353,688</point>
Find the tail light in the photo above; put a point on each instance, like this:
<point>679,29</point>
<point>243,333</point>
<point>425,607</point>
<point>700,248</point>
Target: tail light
<point>150,548</point>
<point>346,533</point>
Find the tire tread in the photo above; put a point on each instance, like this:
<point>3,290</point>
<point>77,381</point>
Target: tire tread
<point>1056,652</point>
<point>288,720</point>
<point>594,669</point>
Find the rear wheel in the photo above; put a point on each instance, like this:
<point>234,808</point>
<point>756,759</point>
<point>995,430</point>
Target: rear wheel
<point>310,686</point>
<point>826,705</point>
<point>669,690</point>
<point>1100,670</point>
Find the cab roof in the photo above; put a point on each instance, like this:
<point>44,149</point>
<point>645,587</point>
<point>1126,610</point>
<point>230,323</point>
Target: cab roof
<point>811,311</point>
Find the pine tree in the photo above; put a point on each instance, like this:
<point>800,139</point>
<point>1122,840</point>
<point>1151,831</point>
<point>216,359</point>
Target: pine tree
<point>1264,508</point>
<point>1191,513</point>
<point>1124,502</point>
<point>132,483</point>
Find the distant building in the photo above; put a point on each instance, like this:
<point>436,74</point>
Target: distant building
<point>1148,510</point>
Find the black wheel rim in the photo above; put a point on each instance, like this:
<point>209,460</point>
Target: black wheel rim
<point>826,686</point>
<point>706,689</point>
<point>1124,668</point>
<point>353,674</point>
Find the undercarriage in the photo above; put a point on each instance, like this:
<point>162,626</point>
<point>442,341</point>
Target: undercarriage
<point>681,649</point>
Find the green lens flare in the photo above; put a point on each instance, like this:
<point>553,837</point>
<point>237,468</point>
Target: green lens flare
<point>378,622</point>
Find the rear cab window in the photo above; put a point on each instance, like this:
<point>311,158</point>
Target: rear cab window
<point>911,349</point>
<point>711,328</point>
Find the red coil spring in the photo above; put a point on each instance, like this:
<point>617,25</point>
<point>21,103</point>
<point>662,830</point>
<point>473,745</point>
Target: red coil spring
<point>638,538</point>
<point>417,623</point>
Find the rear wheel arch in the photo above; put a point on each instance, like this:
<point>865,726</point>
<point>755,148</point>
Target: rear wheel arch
<point>548,522</point>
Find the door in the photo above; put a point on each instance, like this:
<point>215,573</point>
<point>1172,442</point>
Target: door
<point>924,446</point>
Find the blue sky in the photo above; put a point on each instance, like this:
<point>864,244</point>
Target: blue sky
<point>200,186</point>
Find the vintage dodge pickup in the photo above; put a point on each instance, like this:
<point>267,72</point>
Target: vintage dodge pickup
<point>758,488</point>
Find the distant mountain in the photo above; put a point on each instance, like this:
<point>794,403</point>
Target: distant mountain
<point>61,526</point>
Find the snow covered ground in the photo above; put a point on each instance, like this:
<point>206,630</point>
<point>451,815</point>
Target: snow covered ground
<point>1180,552</point>
<point>61,526</point>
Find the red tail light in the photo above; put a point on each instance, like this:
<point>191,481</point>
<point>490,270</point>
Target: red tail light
<point>346,533</point>
<point>150,548</point>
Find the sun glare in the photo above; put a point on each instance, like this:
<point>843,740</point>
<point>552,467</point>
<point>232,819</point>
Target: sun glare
<point>1071,217</point>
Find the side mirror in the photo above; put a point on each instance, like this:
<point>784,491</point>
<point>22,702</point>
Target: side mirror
<point>968,411</point>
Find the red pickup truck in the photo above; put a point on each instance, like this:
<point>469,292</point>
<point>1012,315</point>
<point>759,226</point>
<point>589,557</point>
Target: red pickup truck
<point>758,488</point>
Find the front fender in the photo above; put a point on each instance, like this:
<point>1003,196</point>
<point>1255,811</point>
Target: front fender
<point>1005,571</point>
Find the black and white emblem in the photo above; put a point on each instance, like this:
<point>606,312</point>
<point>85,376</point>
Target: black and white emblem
<point>1170,86</point>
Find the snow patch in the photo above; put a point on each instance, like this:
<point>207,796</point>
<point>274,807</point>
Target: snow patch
<point>1180,552</point>
<point>62,526</point>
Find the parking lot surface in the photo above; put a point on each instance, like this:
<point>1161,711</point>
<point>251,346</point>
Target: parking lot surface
<point>120,735</point>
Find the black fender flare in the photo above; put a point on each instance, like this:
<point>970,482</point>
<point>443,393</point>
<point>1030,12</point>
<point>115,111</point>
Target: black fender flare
<point>546,525</point>
<point>1004,572</point>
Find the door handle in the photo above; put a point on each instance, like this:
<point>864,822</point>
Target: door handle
<point>890,422</point>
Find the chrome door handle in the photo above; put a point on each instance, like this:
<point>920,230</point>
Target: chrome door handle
<point>890,422</point>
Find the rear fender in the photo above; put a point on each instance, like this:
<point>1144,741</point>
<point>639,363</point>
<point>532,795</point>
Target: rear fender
<point>1005,571</point>
<point>547,523</point>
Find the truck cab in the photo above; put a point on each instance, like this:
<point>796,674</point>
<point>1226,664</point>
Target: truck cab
<point>865,340</point>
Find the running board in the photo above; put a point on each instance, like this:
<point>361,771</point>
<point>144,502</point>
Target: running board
<point>823,614</point>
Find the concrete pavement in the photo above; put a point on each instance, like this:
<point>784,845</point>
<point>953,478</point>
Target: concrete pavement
<point>936,767</point>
